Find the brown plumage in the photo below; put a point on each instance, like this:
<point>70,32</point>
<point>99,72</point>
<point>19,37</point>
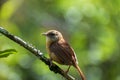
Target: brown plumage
<point>60,51</point>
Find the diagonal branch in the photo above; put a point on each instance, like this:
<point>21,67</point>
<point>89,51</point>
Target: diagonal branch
<point>36,52</point>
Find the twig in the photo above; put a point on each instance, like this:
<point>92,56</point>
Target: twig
<point>37,53</point>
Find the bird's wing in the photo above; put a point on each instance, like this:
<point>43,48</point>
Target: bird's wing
<point>64,52</point>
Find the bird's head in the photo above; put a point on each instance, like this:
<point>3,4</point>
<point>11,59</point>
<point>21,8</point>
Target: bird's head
<point>53,35</point>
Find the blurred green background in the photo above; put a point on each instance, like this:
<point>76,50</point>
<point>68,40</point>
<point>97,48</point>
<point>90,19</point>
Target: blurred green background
<point>92,27</point>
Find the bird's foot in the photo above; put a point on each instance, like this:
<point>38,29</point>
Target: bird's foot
<point>67,70</point>
<point>50,65</point>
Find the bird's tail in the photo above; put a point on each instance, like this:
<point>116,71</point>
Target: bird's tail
<point>80,72</point>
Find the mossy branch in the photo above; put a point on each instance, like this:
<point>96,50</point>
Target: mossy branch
<point>36,52</point>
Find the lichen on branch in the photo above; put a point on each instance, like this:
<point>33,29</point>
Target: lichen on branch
<point>37,53</point>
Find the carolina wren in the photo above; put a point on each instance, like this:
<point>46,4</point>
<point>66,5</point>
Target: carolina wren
<point>60,51</point>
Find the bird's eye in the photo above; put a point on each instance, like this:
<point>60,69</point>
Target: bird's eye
<point>51,34</point>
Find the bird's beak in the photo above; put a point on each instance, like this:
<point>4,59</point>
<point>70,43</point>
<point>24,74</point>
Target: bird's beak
<point>44,34</point>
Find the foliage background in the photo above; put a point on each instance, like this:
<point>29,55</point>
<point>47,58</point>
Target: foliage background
<point>92,27</point>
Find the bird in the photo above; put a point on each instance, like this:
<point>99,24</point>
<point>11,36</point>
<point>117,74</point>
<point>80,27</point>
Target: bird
<point>60,51</point>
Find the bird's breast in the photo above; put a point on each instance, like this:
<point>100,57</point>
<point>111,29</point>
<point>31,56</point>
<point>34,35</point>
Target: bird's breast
<point>51,54</point>
<point>55,58</point>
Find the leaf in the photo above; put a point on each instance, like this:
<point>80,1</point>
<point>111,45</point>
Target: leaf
<point>7,52</point>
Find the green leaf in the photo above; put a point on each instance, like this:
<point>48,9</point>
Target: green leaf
<point>7,52</point>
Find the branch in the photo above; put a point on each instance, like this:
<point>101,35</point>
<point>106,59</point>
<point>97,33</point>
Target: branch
<point>36,52</point>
